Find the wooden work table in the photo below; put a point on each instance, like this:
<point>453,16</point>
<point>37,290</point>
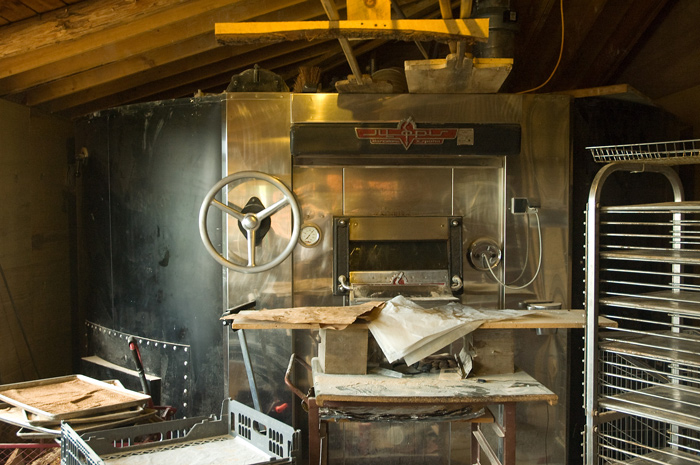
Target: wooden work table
<point>437,388</point>
<point>445,389</point>
<point>541,319</point>
<point>376,393</point>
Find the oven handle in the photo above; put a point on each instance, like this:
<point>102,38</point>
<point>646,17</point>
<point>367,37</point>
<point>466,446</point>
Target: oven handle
<point>304,398</point>
<point>343,283</point>
<point>457,283</point>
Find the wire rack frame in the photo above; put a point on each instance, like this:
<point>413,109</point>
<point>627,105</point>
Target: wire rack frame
<point>669,152</point>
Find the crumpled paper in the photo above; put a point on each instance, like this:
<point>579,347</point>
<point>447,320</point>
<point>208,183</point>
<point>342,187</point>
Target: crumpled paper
<point>404,329</point>
<point>325,317</point>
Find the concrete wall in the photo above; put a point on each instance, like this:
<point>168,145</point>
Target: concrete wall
<point>36,213</point>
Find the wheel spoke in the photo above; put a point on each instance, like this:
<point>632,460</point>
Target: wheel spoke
<point>226,209</point>
<point>272,209</point>
<point>251,248</point>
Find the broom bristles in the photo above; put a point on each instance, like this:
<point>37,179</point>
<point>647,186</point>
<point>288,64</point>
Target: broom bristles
<point>308,77</point>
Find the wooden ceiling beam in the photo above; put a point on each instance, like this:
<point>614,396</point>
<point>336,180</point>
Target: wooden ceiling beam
<point>157,65</point>
<point>605,64</point>
<point>178,86</point>
<point>166,61</point>
<point>284,61</point>
<point>537,43</point>
<point>581,33</point>
<point>156,81</point>
<point>42,6</point>
<point>669,61</point>
<point>597,38</point>
<point>91,49</point>
<point>61,27</point>
<point>329,62</point>
<point>191,53</point>
<point>14,11</point>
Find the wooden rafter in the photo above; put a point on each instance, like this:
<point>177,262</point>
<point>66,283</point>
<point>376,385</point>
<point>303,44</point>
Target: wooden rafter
<point>74,57</point>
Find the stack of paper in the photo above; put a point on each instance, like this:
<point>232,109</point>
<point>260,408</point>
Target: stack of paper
<point>404,329</point>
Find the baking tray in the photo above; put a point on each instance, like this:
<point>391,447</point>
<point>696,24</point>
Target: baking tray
<point>80,396</point>
<point>16,416</point>
<point>133,412</point>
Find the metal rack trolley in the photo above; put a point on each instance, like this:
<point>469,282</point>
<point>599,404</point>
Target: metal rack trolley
<point>642,382</point>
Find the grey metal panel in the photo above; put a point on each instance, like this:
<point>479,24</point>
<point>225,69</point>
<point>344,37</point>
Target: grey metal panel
<point>406,228</point>
<point>541,173</point>
<point>257,134</point>
<point>478,198</point>
<point>493,108</point>
<point>319,192</point>
<point>398,191</point>
<point>93,133</point>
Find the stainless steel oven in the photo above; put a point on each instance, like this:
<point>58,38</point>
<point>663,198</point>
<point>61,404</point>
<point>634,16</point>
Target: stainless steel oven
<point>403,194</point>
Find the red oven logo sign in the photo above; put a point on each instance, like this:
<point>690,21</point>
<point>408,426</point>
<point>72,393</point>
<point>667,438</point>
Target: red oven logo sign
<point>406,133</point>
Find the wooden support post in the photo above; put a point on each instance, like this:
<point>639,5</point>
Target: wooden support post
<point>332,13</point>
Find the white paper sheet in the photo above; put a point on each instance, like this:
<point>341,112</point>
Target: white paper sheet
<point>406,330</point>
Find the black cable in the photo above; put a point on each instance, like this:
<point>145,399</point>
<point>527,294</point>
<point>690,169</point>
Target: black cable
<point>19,323</point>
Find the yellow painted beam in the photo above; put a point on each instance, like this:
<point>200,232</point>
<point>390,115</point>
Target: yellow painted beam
<point>441,30</point>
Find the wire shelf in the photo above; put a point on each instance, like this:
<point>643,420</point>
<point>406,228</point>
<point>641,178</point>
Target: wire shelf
<point>669,153</point>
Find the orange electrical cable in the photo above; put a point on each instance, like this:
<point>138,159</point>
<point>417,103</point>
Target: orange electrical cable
<point>561,52</point>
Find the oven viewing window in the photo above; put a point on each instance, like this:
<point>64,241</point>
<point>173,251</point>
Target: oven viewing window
<point>398,255</point>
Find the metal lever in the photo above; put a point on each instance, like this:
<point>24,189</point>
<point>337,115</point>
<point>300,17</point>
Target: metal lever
<point>136,354</point>
<point>343,283</point>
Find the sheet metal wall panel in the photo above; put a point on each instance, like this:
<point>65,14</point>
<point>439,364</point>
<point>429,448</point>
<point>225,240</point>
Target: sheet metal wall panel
<point>398,192</point>
<point>257,133</point>
<point>319,192</point>
<point>161,160</point>
<point>542,174</point>
<point>257,139</point>
<point>472,108</point>
<point>478,198</point>
<point>95,259</point>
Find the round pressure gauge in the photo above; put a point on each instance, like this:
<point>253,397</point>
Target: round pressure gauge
<point>310,235</point>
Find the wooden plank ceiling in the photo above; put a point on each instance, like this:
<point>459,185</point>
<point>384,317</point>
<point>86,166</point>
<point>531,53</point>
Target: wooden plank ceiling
<point>73,57</point>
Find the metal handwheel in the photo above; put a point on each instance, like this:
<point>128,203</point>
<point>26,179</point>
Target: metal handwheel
<point>250,221</point>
